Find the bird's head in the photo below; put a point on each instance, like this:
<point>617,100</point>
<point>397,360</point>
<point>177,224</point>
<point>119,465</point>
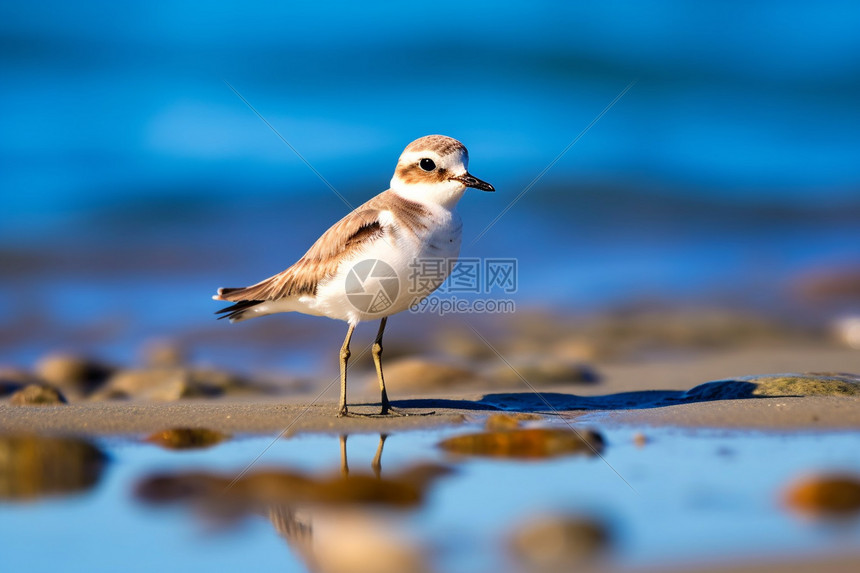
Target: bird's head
<point>434,169</point>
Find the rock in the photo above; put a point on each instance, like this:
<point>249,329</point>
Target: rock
<point>186,438</point>
<point>577,349</point>
<point>13,379</point>
<point>169,384</point>
<point>776,385</point>
<point>37,395</point>
<point>642,331</point>
<point>419,374</point>
<point>559,543</point>
<point>462,344</point>
<point>827,495</point>
<point>213,382</point>
<point>163,354</point>
<point>161,385</point>
<point>539,372</point>
<point>525,443</point>
<point>510,421</point>
<point>640,439</point>
<point>75,375</point>
<point>32,467</point>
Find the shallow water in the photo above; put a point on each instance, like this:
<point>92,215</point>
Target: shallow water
<point>685,496</point>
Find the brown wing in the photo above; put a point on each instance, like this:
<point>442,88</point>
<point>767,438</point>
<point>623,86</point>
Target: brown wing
<point>321,261</point>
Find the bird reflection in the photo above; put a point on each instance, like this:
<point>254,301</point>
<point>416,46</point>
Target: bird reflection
<point>333,522</point>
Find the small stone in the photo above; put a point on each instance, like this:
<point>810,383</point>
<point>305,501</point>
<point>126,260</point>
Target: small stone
<point>640,439</point>
<point>559,542</point>
<point>37,395</point>
<point>510,421</point>
<point>778,385</point>
<point>213,382</point>
<point>539,371</point>
<point>170,384</point>
<point>417,374</point>
<point>187,438</point>
<point>807,385</point>
<point>74,374</point>
<point>827,495</point>
<point>163,354</point>
<point>463,344</point>
<point>526,443</point>
<point>161,385</point>
<point>13,379</point>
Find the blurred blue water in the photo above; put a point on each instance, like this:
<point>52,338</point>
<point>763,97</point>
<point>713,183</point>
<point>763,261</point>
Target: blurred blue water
<point>701,497</point>
<point>122,144</point>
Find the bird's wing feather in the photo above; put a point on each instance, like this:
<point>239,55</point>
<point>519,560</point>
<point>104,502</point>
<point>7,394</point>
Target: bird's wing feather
<point>351,233</point>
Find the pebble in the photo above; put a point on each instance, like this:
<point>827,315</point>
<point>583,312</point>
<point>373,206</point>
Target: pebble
<point>13,379</point>
<point>163,354</point>
<point>37,395</point>
<point>160,385</point>
<point>418,374</point>
<point>187,438</point>
<point>559,542</point>
<point>825,495</point>
<point>510,421</point>
<point>525,443</point>
<point>170,384</point>
<point>75,375</point>
<point>538,371</point>
<point>774,385</point>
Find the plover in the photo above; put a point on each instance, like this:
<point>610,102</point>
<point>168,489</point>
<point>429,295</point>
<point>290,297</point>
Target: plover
<point>359,270</point>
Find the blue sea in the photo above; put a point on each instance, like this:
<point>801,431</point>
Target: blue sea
<point>135,180</point>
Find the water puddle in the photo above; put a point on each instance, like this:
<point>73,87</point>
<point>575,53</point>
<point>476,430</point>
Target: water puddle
<point>644,498</point>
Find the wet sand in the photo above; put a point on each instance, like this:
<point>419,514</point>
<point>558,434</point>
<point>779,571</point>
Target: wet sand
<point>642,394</point>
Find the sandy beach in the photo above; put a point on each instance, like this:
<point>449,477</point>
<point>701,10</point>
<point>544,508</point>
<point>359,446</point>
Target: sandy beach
<point>650,394</point>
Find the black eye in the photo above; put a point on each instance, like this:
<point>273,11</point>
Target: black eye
<point>427,164</point>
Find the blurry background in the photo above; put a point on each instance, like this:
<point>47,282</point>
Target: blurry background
<point>135,182</point>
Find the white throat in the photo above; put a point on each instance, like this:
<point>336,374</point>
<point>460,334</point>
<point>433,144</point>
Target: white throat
<point>445,194</point>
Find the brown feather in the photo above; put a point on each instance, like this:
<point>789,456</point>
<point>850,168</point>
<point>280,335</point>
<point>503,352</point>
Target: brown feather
<point>322,260</point>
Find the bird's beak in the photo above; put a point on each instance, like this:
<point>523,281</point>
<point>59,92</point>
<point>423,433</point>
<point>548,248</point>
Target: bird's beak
<point>471,181</point>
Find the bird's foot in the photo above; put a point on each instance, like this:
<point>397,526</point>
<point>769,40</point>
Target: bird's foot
<point>387,412</point>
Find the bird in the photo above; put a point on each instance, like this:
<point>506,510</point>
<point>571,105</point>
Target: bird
<point>368,265</point>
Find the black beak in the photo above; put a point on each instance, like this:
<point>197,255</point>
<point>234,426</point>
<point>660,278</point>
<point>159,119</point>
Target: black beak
<point>471,181</point>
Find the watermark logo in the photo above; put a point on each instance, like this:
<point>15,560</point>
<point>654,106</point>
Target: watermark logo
<point>475,276</point>
<point>372,286</point>
<point>465,277</point>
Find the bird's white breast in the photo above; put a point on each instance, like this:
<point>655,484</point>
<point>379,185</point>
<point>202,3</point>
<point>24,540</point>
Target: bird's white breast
<point>421,257</point>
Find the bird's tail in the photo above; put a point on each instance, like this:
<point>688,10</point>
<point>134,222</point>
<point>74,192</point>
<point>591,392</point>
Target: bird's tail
<point>238,311</point>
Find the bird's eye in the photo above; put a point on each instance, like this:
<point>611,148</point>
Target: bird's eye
<point>427,164</point>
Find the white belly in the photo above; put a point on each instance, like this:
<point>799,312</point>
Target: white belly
<point>392,273</point>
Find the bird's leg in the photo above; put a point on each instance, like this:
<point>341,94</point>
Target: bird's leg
<point>376,464</point>
<point>377,361</point>
<point>344,357</point>
<point>387,408</point>
<point>344,466</point>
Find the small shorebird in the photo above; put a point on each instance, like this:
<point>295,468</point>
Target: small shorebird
<point>356,270</point>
